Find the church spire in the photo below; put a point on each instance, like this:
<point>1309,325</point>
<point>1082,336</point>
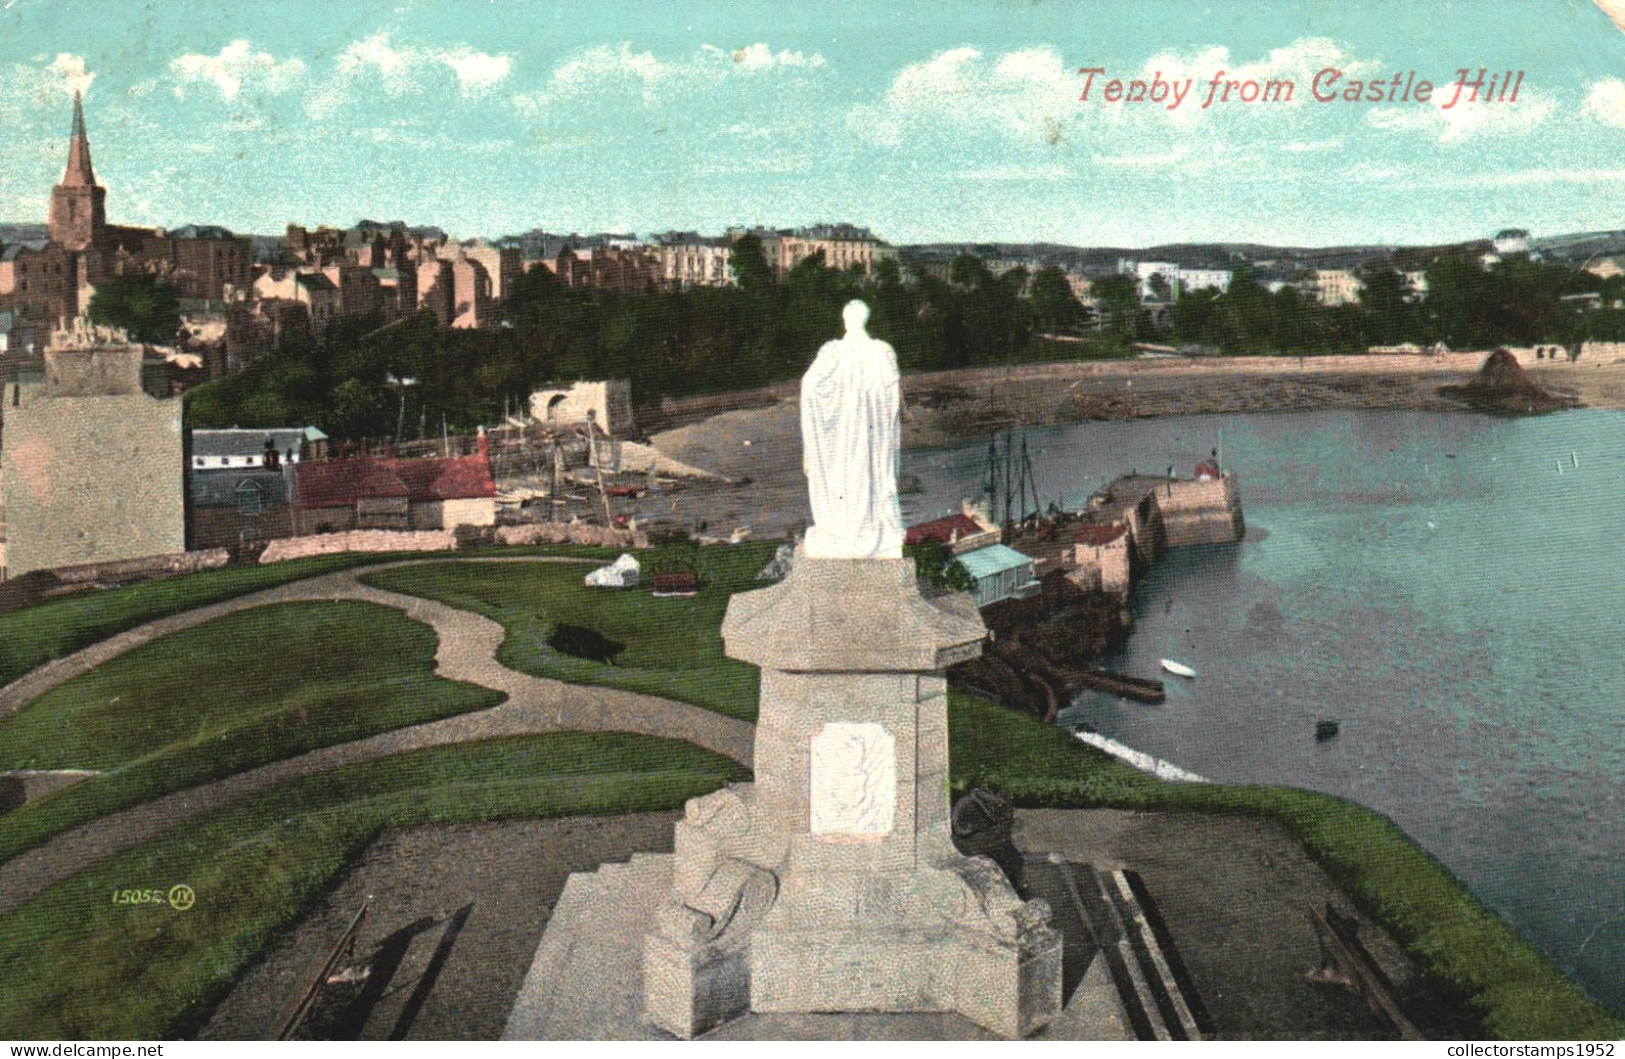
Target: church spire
<point>78,207</point>
<point>79,174</point>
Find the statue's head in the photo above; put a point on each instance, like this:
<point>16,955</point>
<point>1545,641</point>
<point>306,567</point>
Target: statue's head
<point>855,315</point>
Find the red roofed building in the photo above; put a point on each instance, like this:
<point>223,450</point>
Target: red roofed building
<point>1097,536</point>
<point>396,494</point>
<point>961,533</point>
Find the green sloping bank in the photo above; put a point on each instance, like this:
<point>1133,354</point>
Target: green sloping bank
<point>44,632</point>
<point>1502,983</point>
<point>77,966</point>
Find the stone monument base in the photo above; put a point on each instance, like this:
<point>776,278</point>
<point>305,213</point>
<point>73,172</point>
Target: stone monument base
<point>587,979</point>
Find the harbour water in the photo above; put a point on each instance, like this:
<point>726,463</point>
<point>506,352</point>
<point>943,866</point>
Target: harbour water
<point>1449,588</point>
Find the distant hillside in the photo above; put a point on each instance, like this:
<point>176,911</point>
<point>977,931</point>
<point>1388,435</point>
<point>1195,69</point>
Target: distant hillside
<point>1281,259</point>
<point>22,233</point>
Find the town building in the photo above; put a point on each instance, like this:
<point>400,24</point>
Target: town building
<point>1100,559</point>
<point>50,282</point>
<point>1332,286</point>
<point>1510,241</point>
<point>91,462</point>
<point>687,259</point>
<point>502,264</point>
<point>237,448</point>
<point>964,532</point>
<point>608,404</point>
<point>240,484</point>
<point>844,247</point>
<point>607,268</point>
<point>387,493</point>
<point>437,289</point>
<point>473,300</point>
<point>1175,278</point>
<point>998,572</point>
<point>312,290</point>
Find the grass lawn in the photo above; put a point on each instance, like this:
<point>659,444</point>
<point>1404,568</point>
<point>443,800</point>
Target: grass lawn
<point>38,634</point>
<point>258,686</point>
<point>673,646</point>
<point>75,965</point>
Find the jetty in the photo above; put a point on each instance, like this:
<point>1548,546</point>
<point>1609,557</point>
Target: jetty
<point>1084,565</point>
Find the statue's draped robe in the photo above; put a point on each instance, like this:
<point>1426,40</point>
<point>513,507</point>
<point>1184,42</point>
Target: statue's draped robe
<point>851,437</point>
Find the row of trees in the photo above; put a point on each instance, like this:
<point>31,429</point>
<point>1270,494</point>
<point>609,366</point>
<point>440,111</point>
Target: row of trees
<point>666,342</point>
<point>1515,302</point>
<point>678,342</point>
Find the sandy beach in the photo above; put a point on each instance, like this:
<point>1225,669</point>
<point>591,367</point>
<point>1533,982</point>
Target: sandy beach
<point>761,440</point>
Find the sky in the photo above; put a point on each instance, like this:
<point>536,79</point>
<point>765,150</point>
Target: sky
<point>925,121</point>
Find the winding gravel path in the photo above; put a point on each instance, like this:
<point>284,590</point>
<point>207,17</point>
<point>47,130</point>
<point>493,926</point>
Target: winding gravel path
<point>467,652</point>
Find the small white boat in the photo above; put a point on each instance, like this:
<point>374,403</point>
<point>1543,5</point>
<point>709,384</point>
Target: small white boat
<point>1178,669</point>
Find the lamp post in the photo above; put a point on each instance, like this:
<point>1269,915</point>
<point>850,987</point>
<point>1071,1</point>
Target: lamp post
<point>400,386</point>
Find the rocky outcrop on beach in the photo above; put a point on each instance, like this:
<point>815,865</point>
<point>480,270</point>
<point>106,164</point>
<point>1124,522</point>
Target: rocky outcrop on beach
<point>1501,385</point>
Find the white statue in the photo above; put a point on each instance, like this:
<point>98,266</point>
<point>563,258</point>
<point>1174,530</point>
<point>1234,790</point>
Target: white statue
<point>850,439</point>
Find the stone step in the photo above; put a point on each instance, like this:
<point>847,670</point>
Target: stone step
<point>587,980</point>
<point>1161,989</point>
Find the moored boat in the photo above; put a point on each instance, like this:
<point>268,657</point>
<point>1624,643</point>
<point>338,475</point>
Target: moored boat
<point>1178,669</point>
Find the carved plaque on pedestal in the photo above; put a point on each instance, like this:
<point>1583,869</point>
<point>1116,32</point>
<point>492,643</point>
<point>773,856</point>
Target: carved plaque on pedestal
<point>854,780</point>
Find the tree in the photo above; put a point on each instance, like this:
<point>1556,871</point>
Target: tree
<point>748,261</point>
<point>1120,297</point>
<point>1382,297</point>
<point>1161,289</point>
<point>142,304</point>
<point>968,270</point>
<point>1055,307</point>
<point>934,563</point>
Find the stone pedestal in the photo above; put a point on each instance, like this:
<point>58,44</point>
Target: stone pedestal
<point>831,882</point>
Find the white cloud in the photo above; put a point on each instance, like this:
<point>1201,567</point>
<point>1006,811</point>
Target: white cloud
<point>236,65</point>
<point>1156,160</point>
<point>1535,177</point>
<point>38,88</point>
<point>608,70</point>
<point>1025,94</point>
<point>1033,95</point>
<point>761,57</point>
<point>1606,102</point>
<point>477,72</point>
<point>1466,120</point>
<point>607,63</point>
<point>71,68</point>
<point>406,68</point>
<point>1025,174</point>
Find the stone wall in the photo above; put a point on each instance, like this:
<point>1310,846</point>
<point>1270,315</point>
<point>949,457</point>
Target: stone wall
<point>1602,352</point>
<point>141,569</point>
<point>1200,512</point>
<point>571,533</point>
<point>359,541</point>
<point>92,480</point>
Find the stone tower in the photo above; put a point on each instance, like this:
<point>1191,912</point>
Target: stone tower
<point>78,205</point>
